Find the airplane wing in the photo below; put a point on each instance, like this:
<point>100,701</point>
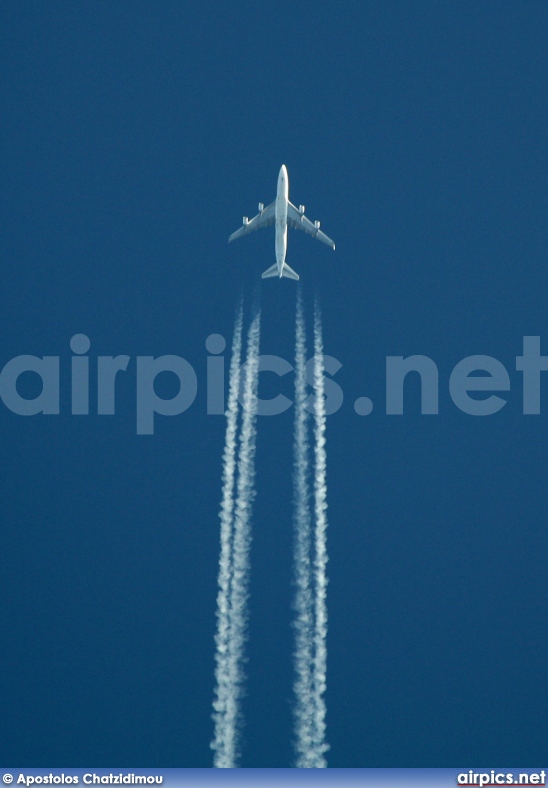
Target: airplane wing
<point>263,219</point>
<point>299,221</point>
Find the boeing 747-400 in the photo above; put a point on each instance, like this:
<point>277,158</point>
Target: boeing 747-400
<point>282,213</point>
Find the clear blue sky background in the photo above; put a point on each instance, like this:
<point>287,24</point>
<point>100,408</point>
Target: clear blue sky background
<point>134,136</point>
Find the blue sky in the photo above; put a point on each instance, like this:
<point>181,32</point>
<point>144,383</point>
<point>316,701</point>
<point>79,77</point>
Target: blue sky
<point>134,137</point>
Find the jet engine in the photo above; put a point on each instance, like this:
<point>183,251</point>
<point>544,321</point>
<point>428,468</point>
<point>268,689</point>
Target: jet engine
<point>301,209</point>
<point>317,225</point>
<point>245,220</point>
<point>261,207</point>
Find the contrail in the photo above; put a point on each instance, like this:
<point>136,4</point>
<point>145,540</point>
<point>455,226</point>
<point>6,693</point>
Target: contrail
<point>320,544</point>
<point>224,735</point>
<point>230,646</point>
<point>310,559</point>
<point>307,756</point>
<point>242,526</point>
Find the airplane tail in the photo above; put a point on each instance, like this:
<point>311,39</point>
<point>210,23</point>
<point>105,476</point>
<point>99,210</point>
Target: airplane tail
<point>288,272</point>
<point>272,271</point>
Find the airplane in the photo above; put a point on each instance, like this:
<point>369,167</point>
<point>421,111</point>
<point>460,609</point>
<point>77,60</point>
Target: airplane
<point>282,213</point>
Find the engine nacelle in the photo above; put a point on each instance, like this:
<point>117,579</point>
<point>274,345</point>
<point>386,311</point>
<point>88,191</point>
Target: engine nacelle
<point>301,209</point>
<point>317,225</point>
<point>261,207</point>
<point>245,220</point>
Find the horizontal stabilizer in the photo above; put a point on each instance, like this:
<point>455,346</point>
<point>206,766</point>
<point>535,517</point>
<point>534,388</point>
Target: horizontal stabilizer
<point>289,272</point>
<point>272,271</point>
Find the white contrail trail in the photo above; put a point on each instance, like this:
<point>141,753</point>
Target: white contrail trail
<point>304,644</point>
<point>223,690</point>
<point>228,714</point>
<point>320,543</point>
<point>310,560</point>
<point>242,525</point>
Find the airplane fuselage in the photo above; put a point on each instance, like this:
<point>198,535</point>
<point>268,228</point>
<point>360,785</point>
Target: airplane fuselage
<point>282,197</point>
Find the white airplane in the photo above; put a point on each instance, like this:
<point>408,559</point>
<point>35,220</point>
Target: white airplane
<point>283,213</point>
